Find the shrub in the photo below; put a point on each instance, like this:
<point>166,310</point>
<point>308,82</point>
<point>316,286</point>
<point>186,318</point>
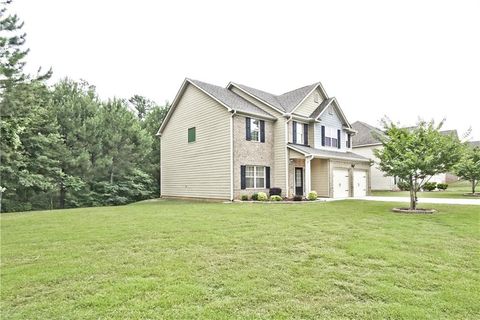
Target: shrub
<point>255,196</point>
<point>262,196</point>
<point>297,198</point>
<point>275,192</point>
<point>403,185</point>
<point>244,197</point>
<point>430,186</point>
<point>275,198</point>
<point>442,186</point>
<point>312,195</point>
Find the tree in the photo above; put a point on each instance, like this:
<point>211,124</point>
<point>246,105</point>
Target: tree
<point>12,51</point>
<point>415,155</point>
<point>468,167</point>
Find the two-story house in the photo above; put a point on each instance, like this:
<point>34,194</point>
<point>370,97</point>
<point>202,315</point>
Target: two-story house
<point>221,143</point>
<point>367,140</point>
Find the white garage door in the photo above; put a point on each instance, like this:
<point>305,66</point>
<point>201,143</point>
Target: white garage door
<point>359,183</point>
<point>340,183</point>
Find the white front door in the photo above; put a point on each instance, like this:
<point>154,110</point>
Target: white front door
<point>340,183</point>
<point>359,183</point>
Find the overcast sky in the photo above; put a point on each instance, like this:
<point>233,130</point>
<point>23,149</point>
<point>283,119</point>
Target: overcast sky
<point>403,59</point>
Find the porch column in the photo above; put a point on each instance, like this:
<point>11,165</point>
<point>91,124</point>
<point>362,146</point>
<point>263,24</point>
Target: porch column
<point>308,177</point>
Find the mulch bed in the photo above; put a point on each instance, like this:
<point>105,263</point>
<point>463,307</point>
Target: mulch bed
<point>416,211</point>
<point>477,194</point>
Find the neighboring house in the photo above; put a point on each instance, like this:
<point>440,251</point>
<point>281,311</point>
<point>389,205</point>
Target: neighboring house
<point>474,144</point>
<point>222,143</point>
<point>367,140</point>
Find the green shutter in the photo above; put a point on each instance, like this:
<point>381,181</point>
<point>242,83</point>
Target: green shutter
<point>191,134</point>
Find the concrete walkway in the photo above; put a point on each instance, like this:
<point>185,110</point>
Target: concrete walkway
<point>423,200</point>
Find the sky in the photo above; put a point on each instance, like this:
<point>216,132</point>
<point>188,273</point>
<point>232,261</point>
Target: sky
<point>402,59</point>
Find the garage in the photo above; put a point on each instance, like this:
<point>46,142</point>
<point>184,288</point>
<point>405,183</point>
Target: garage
<point>359,183</point>
<point>340,183</point>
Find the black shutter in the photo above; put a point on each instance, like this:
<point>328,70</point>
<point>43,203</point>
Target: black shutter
<point>323,136</point>
<point>262,131</point>
<point>243,180</point>
<point>349,137</point>
<point>267,177</point>
<point>305,134</point>
<point>294,131</point>
<point>339,134</point>
<point>247,129</point>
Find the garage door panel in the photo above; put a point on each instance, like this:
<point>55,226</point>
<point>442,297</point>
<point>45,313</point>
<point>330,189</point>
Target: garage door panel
<point>359,183</point>
<point>340,183</point>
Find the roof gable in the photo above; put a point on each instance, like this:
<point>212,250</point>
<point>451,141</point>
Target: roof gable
<point>225,97</point>
<point>286,102</point>
<point>330,102</point>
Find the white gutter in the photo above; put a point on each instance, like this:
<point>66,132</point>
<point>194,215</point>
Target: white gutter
<point>231,153</point>
<point>286,153</point>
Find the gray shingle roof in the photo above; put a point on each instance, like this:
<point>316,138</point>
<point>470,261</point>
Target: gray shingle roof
<point>231,99</point>
<point>366,134</point>
<point>327,154</point>
<point>320,108</point>
<point>285,102</point>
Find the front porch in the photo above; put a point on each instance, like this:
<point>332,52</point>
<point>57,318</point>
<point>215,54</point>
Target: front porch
<point>331,174</point>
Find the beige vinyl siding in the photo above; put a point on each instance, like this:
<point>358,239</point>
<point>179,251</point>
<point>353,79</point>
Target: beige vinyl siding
<point>200,169</point>
<point>320,181</point>
<point>309,105</point>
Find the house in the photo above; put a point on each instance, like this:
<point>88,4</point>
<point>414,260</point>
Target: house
<point>224,142</point>
<point>367,140</point>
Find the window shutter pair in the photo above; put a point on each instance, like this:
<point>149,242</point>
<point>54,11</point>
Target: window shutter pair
<point>248,132</point>
<point>294,131</point>
<point>323,136</point>
<point>339,137</point>
<point>243,179</point>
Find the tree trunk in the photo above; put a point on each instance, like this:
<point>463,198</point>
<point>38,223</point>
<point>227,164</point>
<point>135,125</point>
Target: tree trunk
<point>63,194</point>
<point>473,186</point>
<point>413,195</point>
<point>1,193</point>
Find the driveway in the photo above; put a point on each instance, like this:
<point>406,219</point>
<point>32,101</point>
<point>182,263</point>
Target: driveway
<point>424,200</point>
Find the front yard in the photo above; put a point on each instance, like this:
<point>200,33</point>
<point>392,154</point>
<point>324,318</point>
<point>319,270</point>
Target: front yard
<point>184,260</point>
<point>455,190</point>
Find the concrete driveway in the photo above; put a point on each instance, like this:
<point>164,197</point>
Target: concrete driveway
<point>424,200</point>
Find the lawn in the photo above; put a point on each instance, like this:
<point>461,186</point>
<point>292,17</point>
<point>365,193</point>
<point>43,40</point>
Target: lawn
<point>455,190</point>
<point>196,260</point>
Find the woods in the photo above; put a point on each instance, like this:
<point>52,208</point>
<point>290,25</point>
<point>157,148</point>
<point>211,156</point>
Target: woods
<point>62,146</point>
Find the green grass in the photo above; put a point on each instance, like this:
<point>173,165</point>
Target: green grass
<point>180,260</point>
<point>455,190</point>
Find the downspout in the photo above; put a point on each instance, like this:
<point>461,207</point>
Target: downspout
<point>286,153</point>
<point>231,153</point>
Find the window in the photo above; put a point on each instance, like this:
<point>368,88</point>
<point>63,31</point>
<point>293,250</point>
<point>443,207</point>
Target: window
<point>300,133</point>
<point>191,135</point>
<point>255,129</point>
<point>255,176</point>
<point>331,137</point>
<point>316,98</point>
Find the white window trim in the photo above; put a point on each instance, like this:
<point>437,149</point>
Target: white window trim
<point>300,133</point>
<point>255,177</point>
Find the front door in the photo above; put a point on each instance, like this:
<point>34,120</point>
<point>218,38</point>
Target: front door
<point>299,181</point>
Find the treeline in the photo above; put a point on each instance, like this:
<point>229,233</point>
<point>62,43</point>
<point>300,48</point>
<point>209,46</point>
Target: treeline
<point>61,146</point>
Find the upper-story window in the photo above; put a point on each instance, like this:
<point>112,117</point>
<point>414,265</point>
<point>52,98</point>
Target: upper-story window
<point>255,129</point>
<point>300,133</point>
<point>331,137</point>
